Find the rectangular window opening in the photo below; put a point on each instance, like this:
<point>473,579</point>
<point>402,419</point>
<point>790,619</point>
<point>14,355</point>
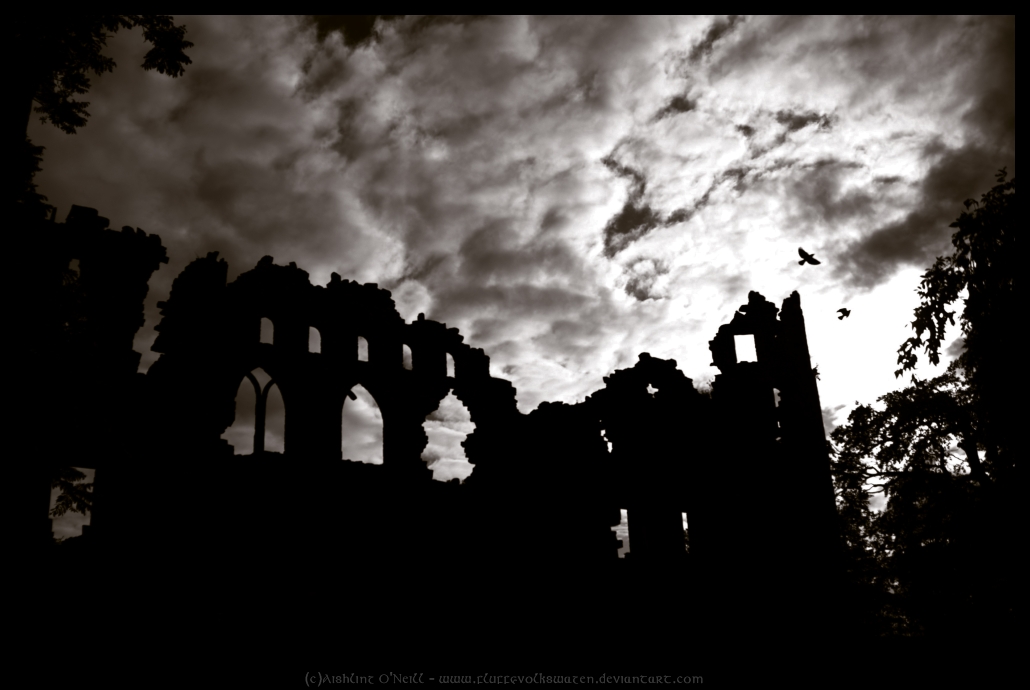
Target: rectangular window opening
<point>745,346</point>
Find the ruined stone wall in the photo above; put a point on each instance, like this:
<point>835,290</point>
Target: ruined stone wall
<point>545,491</point>
<point>79,289</point>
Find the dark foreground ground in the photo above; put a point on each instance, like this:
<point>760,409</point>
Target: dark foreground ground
<point>267,622</point>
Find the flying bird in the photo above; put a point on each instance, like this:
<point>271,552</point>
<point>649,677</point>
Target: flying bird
<point>807,258</point>
<point>843,313</point>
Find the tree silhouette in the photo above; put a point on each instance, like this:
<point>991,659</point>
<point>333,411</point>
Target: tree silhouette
<point>76,495</point>
<point>938,560</point>
<point>58,52</point>
<point>984,265</point>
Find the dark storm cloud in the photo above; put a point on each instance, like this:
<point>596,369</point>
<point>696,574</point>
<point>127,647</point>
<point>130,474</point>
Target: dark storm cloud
<point>957,172</point>
<point>355,29</point>
<point>488,329</point>
<point>464,105</point>
<point>513,301</point>
<point>455,162</point>
<point>630,224</point>
<point>973,91</point>
<point>573,340</point>
<point>424,271</point>
<point>993,113</point>
<point>491,255</point>
<point>747,130</point>
<point>240,196</point>
<point>817,189</point>
<point>768,129</point>
<point>682,215</point>
<point>636,218</point>
<point>869,48</point>
<point>718,29</point>
<point>223,159</point>
<point>922,233</point>
<point>795,120</point>
<point>465,142</point>
<point>635,176</point>
<point>556,217</point>
<point>675,106</point>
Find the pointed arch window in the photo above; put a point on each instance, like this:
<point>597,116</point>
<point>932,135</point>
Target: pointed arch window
<point>362,428</point>
<point>259,421</point>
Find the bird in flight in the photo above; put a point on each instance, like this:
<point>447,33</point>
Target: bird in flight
<point>807,258</point>
<point>843,313</point>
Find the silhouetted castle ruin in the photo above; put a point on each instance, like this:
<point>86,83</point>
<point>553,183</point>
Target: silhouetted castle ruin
<point>747,463</point>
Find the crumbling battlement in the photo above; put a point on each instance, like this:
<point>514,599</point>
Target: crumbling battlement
<point>79,291</point>
<point>210,337</point>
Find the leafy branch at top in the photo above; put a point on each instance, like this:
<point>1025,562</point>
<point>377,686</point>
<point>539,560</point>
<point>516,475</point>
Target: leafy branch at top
<point>76,495</point>
<point>982,264</point>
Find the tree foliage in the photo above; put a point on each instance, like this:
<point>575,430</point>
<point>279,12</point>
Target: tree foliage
<point>61,51</point>
<point>57,54</point>
<point>76,495</point>
<point>939,452</point>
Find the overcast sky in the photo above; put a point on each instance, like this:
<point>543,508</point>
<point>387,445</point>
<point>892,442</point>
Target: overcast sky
<point>568,192</point>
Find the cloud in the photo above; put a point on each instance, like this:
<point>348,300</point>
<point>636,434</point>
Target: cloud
<point>795,120</point>
<point>830,417</point>
<point>631,223</point>
<point>675,106</point>
<point>922,233</point>
<point>818,191</point>
<point>446,428</point>
<point>637,218</point>
<point>955,350</point>
<point>362,428</point>
<point>718,29</point>
<point>643,274</point>
<point>356,29</point>
<point>992,113</point>
<point>493,255</point>
<point>567,192</point>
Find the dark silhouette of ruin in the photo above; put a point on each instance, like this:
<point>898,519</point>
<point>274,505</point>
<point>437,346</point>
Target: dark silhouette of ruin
<point>177,512</point>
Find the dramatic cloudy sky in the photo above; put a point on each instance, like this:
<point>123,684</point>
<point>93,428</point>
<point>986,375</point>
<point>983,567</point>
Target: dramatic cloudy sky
<point>568,192</point>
